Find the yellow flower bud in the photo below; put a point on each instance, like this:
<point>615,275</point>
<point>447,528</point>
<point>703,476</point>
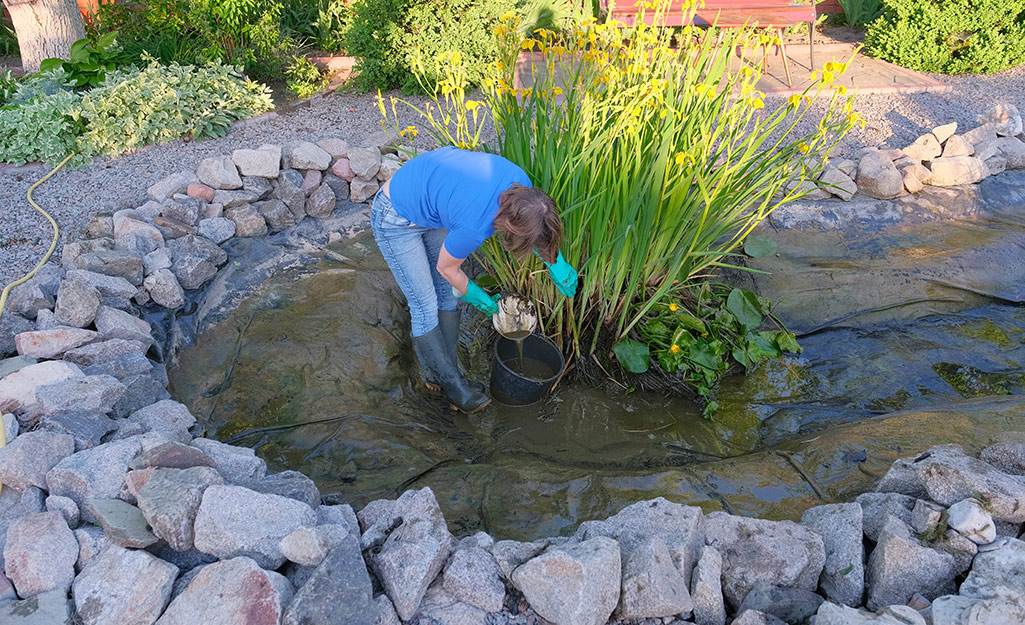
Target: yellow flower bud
<point>675,348</point>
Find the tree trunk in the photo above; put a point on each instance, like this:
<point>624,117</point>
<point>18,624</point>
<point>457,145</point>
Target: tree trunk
<point>45,29</point>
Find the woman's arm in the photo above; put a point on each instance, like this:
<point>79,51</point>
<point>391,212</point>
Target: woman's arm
<point>450,268</point>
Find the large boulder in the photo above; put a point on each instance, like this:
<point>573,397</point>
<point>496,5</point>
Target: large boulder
<point>234,521</point>
<point>575,584</point>
<point>781,553</point>
<point>123,587</point>
<point>230,592</point>
<point>338,592</point>
<point>840,526</point>
<point>40,553</point>
<point>414,552</point>
<point>170,501</point>
<point>900,566</point>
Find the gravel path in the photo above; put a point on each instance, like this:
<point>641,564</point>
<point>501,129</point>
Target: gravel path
<point>73,197</point>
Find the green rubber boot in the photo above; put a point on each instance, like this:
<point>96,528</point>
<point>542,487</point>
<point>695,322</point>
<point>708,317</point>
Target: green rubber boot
<point>431,351</point>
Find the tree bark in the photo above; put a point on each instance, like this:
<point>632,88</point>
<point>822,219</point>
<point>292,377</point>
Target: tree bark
<point>45,29</point>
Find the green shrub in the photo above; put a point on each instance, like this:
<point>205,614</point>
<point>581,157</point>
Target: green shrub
<point>388,35</point>
<point>39,121</point>
<point>950,37</point>
<point>859,13</point>
<point>304,78</point>
<point>138,107</point>
<point>333,21</point>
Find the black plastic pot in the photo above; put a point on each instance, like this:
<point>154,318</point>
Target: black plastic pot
<point>508,386</point>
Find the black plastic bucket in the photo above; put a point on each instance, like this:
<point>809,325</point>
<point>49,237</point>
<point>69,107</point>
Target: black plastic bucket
<point>508,385</point>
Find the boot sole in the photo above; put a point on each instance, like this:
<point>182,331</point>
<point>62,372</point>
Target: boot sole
<point>474,411</point>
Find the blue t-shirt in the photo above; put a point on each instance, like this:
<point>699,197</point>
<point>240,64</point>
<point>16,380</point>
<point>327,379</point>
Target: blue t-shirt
<point>457,190</point>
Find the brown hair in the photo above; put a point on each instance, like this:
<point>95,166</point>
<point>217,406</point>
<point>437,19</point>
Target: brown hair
<point>529,220</point>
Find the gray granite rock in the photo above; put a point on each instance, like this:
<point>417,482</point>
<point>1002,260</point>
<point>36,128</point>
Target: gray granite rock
<point>97,472</point>
<point>194,260</point>
<point>957,610</point>
<point>338,592</point>
<point>969,519</point>
<point>336,147</point>
<point>276,214</point>
<point>385,611</point>
<point>706,589</point>
<point>363,190</point>
<point>183,210</point>
<point>790,605</point>
<point>949,475</point>
<point>305,155</point>
<point>439,606</point>
<point>1008,457</point>
<point>25,460</point>
<point>122,523</point>
<point>52,343</point>
<point>172,455</point>
<point>123,587</point>
<point>510,554</point>
<point>217,229</point>
<point>877,506</point>
<point>12,324</point>
<point>338,186</point>
<point>998,573</point>
<point>234,521</point>
<point>28,299</point>
<point>248,221</point>
<point>168,417</point>
<point>321,202</point>
<point>1004,117</point>
<point>309,546</point>
<point>170,185</point>
<point>39,554</point>
<point>48,608</point>
<point>237,465</point>
<point>18,388</point>
<point>754,617</point>
<point>91,542</point>
<point>67,508</point>
<point>900,566</point>
<point>114,263</point>
<point>230,592</point>
<point>652,586</point>
<point>291,484</point>
<point>878,177</point>
<point>365,162</point>
<point>833,614</point>
<point>77,304</point>
<point>164,289</point>
<point>219,172</point>
<point>264,162</point>
<point>782,553</point>
<point>133,235</point>
<point>341,514</point>
<point>87,429</point>
<point>103,351</point>
<point>170,501</point>
<point>92,393</point>
<point>414,552</point>
<point>841,528</point>
<point>472,576</point>
<point>15,505</point>
<point>112,323</point>
<point>925,517</point>
<point>109,286</point>
<point>574,584</point>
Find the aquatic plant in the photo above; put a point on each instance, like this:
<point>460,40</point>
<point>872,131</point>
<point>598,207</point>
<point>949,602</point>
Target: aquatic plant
<point>661,159</point>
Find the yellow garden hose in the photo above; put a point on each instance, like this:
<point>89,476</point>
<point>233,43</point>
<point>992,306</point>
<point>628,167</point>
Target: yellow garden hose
<point>46,257</point>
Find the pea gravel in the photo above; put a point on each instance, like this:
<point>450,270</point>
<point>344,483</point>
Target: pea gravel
<point>74,197</point>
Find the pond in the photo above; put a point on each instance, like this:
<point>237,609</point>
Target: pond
<point>313,372</point>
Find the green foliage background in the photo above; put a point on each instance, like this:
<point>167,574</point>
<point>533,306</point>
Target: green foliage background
<point>950,36</point>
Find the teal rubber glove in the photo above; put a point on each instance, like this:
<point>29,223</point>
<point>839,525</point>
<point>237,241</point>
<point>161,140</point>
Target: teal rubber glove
<point>563,275</point>
<point>479,298</point>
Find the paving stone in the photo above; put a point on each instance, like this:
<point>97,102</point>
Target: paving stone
<point>230,592</point>
<point>123,587</point>
<point>40,553</point>
<point>170,501</point>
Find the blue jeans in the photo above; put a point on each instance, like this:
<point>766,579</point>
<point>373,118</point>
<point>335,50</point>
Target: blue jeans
<point>411,252</point>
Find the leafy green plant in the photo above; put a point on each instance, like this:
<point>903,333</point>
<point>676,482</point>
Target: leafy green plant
<point>954,37</point>
<point>137,107</point>
<point>661,160</point>
<point>8,38</point>
<point>387,37</point>
<point>859,13</point>
<point>304,78</point>
<point>699,342</point>
<point>334,18</point>
<point>39,121</point>
<point>7,85</point>
<point>89,61</point>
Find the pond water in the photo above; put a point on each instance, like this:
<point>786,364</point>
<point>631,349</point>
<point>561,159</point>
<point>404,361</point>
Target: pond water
<point>313,372</point>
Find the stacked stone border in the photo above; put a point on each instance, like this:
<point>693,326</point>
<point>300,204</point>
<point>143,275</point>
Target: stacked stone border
<point>110,497</point>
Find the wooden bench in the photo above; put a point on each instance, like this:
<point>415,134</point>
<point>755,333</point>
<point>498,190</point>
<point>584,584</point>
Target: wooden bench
<point>772,14</point>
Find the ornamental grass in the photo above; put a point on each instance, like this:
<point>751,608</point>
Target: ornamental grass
<point>661,158</point>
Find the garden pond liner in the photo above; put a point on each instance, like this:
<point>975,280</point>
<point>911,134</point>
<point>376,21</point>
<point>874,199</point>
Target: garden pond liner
<point>315,371</point>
